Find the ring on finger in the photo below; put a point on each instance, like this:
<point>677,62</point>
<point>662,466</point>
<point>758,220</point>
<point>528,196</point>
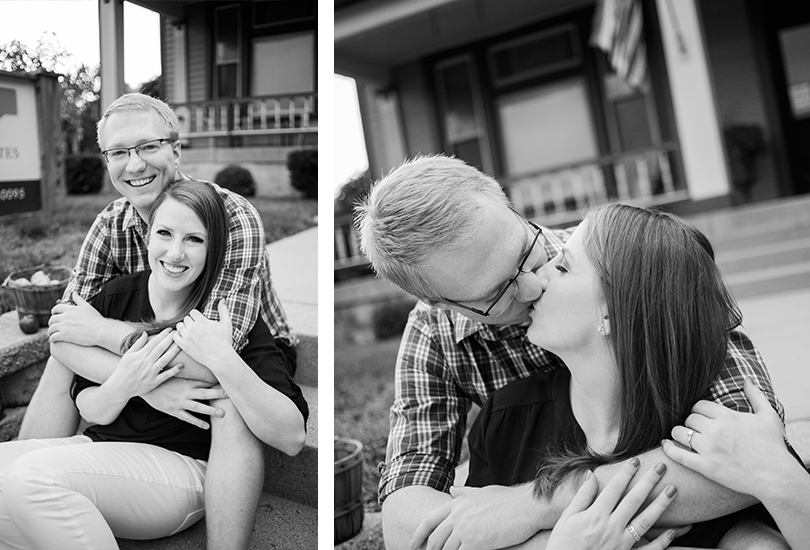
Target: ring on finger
<point>689,434</point>
<point>633,532</point>
<point>158,366</point>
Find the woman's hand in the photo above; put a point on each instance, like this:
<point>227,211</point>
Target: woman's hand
<point>207,342</point>
<point>139,371</point>
<point>601,524</point>
<point>732,448</point>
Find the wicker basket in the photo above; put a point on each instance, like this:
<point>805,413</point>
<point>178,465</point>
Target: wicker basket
<point>348,488</point>
<point>38,300</point>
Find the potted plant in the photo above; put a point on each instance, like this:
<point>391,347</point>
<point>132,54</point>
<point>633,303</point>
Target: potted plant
<point>744,143</point>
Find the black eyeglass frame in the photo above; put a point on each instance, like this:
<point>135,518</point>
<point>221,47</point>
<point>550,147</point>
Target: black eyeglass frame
<point>513,280</point>
<point>135,147</point>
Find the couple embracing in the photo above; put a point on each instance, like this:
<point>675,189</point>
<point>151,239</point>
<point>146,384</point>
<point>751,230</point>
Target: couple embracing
<point>171,342</point>
<point>611,370</point>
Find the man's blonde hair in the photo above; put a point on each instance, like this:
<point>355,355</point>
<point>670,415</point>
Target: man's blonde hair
<point>141,102</point>
<point>424,205</point>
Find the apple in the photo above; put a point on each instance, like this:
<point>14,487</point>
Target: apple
<point>29,324</point>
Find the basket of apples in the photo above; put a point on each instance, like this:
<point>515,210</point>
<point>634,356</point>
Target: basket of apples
<point>36,290</point>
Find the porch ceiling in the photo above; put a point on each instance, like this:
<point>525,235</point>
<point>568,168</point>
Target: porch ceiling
<point>373,36</point>
<point>174,9</point>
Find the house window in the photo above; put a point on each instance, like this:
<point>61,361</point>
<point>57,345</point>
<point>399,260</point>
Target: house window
<point>227,55</point>
<point>535,55</point>
<point>631,116</point>
<point>283,64</point>
<point>462,112</point>
<point>546,127</point>
<point>794,44</point>
<point>268,13</point>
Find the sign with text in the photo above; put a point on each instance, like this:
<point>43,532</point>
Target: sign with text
<point>20,161</point>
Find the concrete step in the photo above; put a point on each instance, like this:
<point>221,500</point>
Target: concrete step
<point>306,372</point>
<point>296,478</point>
<point>280,523</point>
<point>769,280</point>
<point>780,215</point>
<point>769,255</point>
<point>761,237</point>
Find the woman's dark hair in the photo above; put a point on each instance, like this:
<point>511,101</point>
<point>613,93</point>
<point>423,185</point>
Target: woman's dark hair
<point>670,314</point>
<point>209,207</point>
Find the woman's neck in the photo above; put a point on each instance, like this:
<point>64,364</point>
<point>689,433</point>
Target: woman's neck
<point>596,398</point>
<point>166,304</point>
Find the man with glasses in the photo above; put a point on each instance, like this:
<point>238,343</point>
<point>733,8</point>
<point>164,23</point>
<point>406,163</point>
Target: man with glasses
<point>444,232</point>
<point>139,138</point>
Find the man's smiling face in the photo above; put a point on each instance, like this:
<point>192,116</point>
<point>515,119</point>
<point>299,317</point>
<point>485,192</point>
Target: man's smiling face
<point>138,179</point>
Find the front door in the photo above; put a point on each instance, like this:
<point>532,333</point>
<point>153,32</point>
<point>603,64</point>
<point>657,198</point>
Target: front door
<point>788,36</point>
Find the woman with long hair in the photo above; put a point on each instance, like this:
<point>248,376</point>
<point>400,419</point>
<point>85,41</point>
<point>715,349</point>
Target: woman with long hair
<point>637,310</point>
<point>137,472</point>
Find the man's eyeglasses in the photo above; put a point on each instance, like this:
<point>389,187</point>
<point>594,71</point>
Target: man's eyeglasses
<point>507,295</point>
<point>143,150</point>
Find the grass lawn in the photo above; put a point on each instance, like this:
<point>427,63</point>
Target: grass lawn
<point>57,237</point>
<point>364,391</point>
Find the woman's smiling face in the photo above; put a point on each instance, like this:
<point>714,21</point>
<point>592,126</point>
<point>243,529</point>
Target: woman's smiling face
<point>178,245</point>
<point>568,314</point>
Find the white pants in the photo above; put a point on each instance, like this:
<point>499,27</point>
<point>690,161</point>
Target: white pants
<point>71,493</point>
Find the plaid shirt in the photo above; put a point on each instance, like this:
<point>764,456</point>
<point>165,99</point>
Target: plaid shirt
<point>447,362</point>
<point>116,245</point>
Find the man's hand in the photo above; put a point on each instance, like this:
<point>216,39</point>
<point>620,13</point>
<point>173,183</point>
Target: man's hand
<point>482,518</point>
<point>76,324</point>
<point>179,397</point>
<point>84,326</point>
<point>732,448</point>
<point>207,342</point>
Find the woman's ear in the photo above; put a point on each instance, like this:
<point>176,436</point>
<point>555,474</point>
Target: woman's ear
<point>605,326</point>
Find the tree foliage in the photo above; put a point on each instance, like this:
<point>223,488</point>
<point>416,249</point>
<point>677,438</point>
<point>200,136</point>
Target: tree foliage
<point>80,86</point>
<point>350,193</point>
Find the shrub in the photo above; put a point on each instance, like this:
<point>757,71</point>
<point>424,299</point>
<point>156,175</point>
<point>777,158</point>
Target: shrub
<point>390,318</point>
<point>84,174</point>
<point>237,179</point>
<point>303,168</point>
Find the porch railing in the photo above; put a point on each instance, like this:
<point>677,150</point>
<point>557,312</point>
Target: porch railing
<point>347,249</point>
<point>249,116</point>
<point>644,176</point>
<point>552,198</point>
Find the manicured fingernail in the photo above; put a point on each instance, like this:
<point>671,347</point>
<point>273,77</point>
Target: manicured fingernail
<point>660,468</point>
<point>671,535</point>
<point>588,475</point>
<point>635,462</point>
<point>670,491</point>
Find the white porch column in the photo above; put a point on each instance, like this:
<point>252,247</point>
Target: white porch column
<point>111,45</point>
<point>699,129</point>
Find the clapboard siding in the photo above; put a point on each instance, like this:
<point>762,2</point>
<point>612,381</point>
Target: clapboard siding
<point>197,35</point>
<point>167,56</point>
<point>418,111</point>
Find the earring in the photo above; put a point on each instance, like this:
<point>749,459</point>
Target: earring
<point>601,327</point>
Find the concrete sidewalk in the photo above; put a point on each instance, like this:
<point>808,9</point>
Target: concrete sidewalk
<point>294,270</point>
<point>779,325</point>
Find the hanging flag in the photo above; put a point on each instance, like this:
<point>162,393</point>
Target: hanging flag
<point>618,31</point>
